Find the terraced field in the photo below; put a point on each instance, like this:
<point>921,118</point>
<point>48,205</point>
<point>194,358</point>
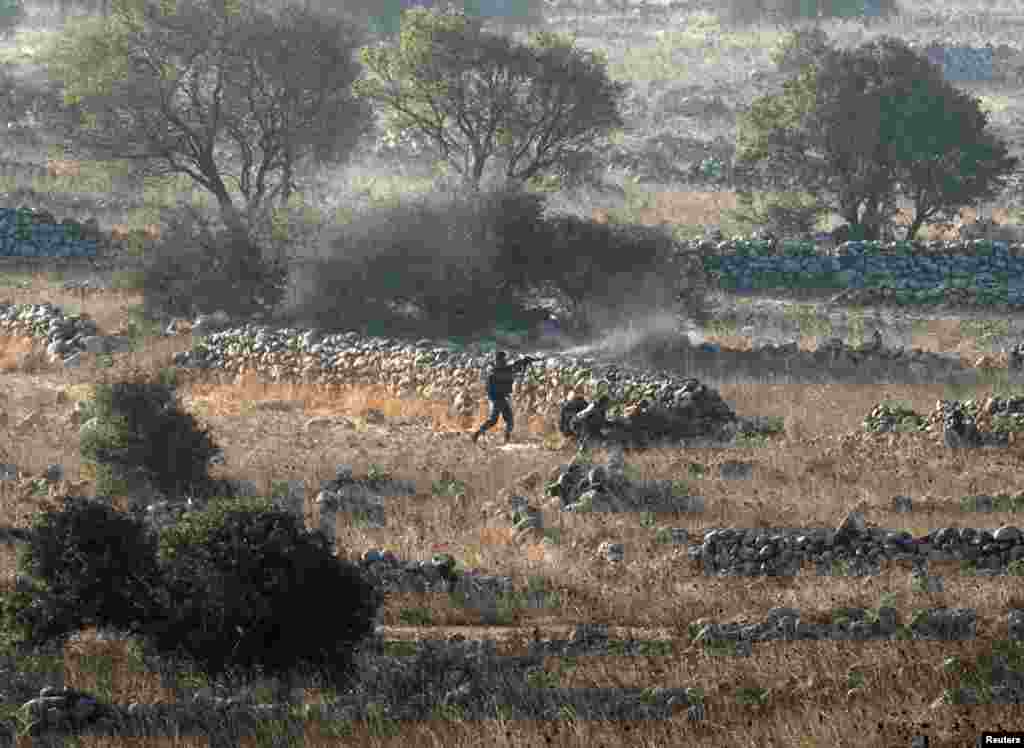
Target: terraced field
<point>874,639</point>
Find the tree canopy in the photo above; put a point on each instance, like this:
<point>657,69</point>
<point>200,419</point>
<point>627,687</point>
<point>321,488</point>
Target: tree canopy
<point>864,126</point>
<point>481,99</point>
<point>219,90</point>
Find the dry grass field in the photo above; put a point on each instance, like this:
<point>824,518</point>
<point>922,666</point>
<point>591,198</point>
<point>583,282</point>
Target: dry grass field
<point>824,465</point>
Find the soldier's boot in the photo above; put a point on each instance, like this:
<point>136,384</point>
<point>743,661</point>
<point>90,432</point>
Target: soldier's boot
<point>476,436</point>
<point>508,437</point>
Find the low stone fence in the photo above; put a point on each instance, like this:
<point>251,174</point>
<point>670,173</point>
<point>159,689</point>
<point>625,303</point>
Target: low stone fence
<point>24,233</point>
<point>981,271</point>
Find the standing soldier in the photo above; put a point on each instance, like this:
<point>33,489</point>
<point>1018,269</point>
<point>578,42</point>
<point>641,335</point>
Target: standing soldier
<point>499,380</point>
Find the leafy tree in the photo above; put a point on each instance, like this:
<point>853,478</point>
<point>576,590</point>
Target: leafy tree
<point>953,160</point>
<point>224,92</point>
<point>479,98</point>
<point>864,126</point>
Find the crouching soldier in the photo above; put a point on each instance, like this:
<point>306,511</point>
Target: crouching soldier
<point>587,424</point>
<point>573,404</point>
<point>500,378</point>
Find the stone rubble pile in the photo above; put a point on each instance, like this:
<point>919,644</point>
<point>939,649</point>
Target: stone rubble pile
<point>693,411</point>
<point>67,337</point>
<point>581,487</point>
<point>990,422</point>
<point>862,550</point>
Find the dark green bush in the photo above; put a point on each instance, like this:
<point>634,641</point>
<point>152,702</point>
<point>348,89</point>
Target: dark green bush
<point>150,440</point>
<point>454,258</point>
<point>199,268</point>
<point>787,214</point>
<point>245,587</point>
<point>235,591</point>
<point>607,273</point>
<point>90,566</point>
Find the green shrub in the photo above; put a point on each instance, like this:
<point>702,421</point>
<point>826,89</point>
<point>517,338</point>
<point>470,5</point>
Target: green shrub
<point>150,440</point>
<point>798,48</point>
<point>609,273</point>
<point>198,268</point>
<point>244,594</point>
<point>91,566</point>
<point>456,258</point>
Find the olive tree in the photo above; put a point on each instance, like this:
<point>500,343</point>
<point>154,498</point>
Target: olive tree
<point>227,93</point>
<point>481,99</point>
<point>863,126</point>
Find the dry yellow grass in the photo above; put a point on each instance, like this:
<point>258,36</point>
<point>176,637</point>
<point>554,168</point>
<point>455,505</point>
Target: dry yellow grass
<point>813,475</point>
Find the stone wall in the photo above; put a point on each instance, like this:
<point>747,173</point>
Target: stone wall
<point>24,233</point>
<point>980,271</point>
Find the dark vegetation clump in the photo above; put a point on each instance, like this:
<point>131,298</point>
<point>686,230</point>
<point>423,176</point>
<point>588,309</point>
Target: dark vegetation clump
<point>86,565</point>
<point>199,268</point>
<point>147,439</point>
<point>465,263</point>
<point>455,259</point>
<point>244,593</point>
<point>234,591</point>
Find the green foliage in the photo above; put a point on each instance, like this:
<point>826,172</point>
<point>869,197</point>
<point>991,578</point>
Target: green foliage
<point>799,48</point>
<point>905,418</point>
<point>617,270</point>
<point>400,648</point>
<point>90,566</point>
<point>147,438</point>
<point>415,617</point>
<point>448,485</point>
<point>91,55</point>
<point>881,122</point>
<point>783,213</point>
<point>456,258</point>
<point>243,595</point>
<point>196,267</point>
<point>479,97</point>
<point>285,73</point>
